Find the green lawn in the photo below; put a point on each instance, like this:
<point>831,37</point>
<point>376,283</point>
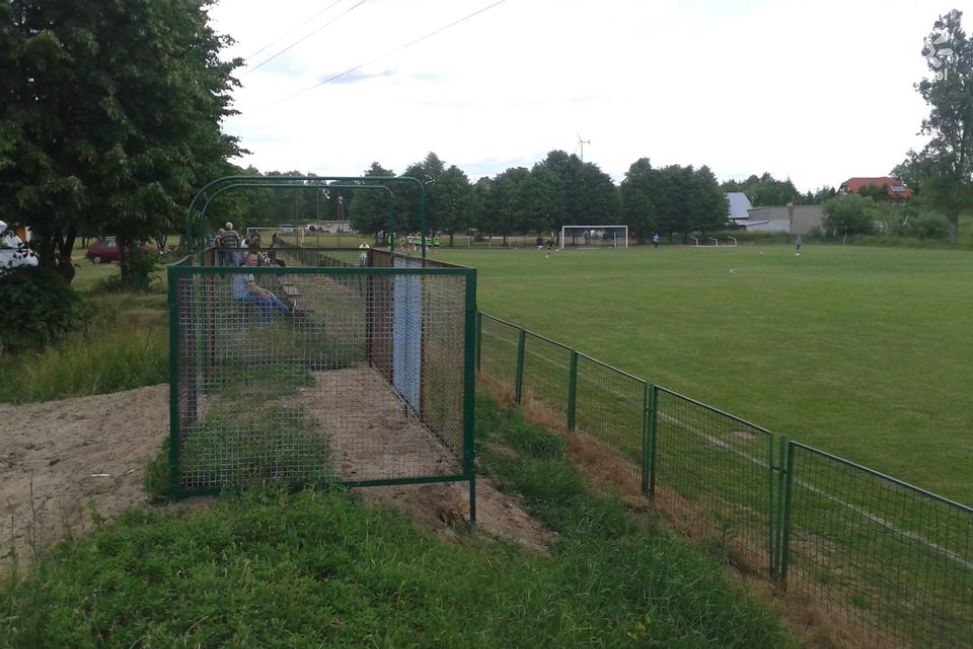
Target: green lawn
<point>863,352</point>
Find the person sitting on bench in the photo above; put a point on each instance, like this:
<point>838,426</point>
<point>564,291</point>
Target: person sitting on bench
<point>247,291</point>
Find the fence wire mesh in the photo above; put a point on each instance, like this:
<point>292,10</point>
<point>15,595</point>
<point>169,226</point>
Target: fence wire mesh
<point>610,408</point>
<point>319,372</point>
<point>498,349</point>
<point>883,555</point>
<point>545,379</point>
<point>897,560</point>
<point>716,470</point>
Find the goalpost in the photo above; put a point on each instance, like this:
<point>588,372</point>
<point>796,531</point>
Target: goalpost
<point>594,236</point>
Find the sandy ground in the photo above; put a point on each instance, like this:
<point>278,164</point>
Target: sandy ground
<point>66,464</point>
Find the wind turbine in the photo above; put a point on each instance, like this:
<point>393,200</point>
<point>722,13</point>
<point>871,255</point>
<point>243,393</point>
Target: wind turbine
<point>581,144</point>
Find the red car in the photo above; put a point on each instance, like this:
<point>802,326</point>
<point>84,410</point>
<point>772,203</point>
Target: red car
<point>104,249</point>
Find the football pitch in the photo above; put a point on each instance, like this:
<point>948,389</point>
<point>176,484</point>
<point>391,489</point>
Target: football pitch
<point>862,352</point>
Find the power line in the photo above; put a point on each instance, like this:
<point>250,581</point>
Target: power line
<point>293,29</point>
<point>389,53</point>
<point>307,36</point>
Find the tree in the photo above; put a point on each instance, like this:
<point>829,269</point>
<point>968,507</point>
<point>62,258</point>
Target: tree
<point>110,116</point>
<point>845,216</point>
<point>765,190</point>
<point>587,195</point>
<point>943,170</point>
<point>638,211</point>
<point>452,192</point>
<point>368,209</point>
<point>540,201</point>
<point>427,172</point>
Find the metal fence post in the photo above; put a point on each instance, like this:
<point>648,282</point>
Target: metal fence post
<point>773,529</point>
<point>784,522</point>
<point>519,373</point>
<point>572,390</point>
<point>648,438</point>
<point>479,340</point>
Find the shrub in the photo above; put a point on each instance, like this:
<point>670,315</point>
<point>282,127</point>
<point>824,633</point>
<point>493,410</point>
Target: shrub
<point>931,226</point>
<point>138,268</point>
<point>38,308</point>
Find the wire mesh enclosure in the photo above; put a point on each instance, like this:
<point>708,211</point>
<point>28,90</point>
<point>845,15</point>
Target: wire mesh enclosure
<point>338,366</point>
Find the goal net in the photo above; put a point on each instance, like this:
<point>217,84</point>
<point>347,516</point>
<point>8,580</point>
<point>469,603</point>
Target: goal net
<point>594,236</point>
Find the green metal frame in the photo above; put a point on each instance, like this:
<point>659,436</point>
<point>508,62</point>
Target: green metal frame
<point>184,268</point>
<point>284,182</point>
<point>251,185</point>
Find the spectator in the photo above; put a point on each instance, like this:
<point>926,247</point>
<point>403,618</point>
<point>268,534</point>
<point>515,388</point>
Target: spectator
<point>247,291</point>
<point>229,243</point>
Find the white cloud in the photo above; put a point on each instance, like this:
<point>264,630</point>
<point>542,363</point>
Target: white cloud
<point>815,91</point>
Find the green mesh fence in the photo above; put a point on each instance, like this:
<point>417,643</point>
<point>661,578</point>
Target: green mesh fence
<point>896,560</point>
<point>498,349</point>
<point>335,373</point>
<point>883,555</point>
<point>716,470</point>
<point>545,375</point>
<point>610,408</point>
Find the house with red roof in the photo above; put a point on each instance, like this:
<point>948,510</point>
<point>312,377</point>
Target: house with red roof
<point>896,188</point>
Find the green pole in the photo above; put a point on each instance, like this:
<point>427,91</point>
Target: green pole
<point>648,438</point>
<point>787,484</point>
<point>469,393</point>
<point>519,373</point>
<point>479,341</point>
<point>772,533</point>
<point>654,436</point>
<point>572,390</point>
<point>174,414</point>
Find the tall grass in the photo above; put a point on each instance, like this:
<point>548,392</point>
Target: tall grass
<point>125,346</point>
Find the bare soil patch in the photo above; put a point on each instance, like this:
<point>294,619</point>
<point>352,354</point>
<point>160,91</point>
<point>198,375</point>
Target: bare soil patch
<point>66,465</point>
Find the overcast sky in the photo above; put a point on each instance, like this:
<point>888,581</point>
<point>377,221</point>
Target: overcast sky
<point>815,91</point>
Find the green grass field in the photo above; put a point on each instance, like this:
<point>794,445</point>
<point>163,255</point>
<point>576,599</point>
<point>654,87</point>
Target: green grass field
<point>863,352</point>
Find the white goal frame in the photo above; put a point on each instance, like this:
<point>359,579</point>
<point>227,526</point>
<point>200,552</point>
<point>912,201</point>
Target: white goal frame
<point>565,228</point>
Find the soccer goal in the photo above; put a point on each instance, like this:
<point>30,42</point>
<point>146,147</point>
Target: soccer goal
<point>594,236</point>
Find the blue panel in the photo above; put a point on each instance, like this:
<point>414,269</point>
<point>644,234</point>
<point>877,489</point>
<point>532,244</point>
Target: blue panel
<point>407,333</point>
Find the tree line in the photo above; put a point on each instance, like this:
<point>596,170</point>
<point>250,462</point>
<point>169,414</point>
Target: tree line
<point>559,190</point>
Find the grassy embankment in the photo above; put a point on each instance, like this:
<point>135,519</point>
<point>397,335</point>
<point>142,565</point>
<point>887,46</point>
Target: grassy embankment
<point>321,569</point>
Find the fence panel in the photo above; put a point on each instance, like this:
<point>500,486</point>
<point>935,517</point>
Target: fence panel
<point>713,472</point>
<point>546,372</point>
<point>897,560</point>
<point>610,409</point>
<point>498,349</point>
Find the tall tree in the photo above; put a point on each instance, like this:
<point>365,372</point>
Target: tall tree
<point>110,115</point>
<point>368,211</point>
<point>638,211</point>
<point>540,201</point>
<point>427,172</point>
<point>943,170</point>
<point>587,194</point>
<point>452,192</point>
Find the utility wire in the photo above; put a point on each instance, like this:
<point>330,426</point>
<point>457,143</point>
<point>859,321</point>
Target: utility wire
<point>386,54</point>
<point>307,36</point>
<point>292,29</point>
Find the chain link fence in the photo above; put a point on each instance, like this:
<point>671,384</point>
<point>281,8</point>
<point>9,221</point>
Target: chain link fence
<point>320,370</point>
<point>879,554</point>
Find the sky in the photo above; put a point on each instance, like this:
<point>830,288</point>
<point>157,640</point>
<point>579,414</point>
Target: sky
<point>817,92</point>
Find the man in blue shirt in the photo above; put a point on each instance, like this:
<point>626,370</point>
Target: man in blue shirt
<point>247,291</point>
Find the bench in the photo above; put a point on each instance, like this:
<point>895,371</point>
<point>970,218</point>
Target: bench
<point>293,295</point>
